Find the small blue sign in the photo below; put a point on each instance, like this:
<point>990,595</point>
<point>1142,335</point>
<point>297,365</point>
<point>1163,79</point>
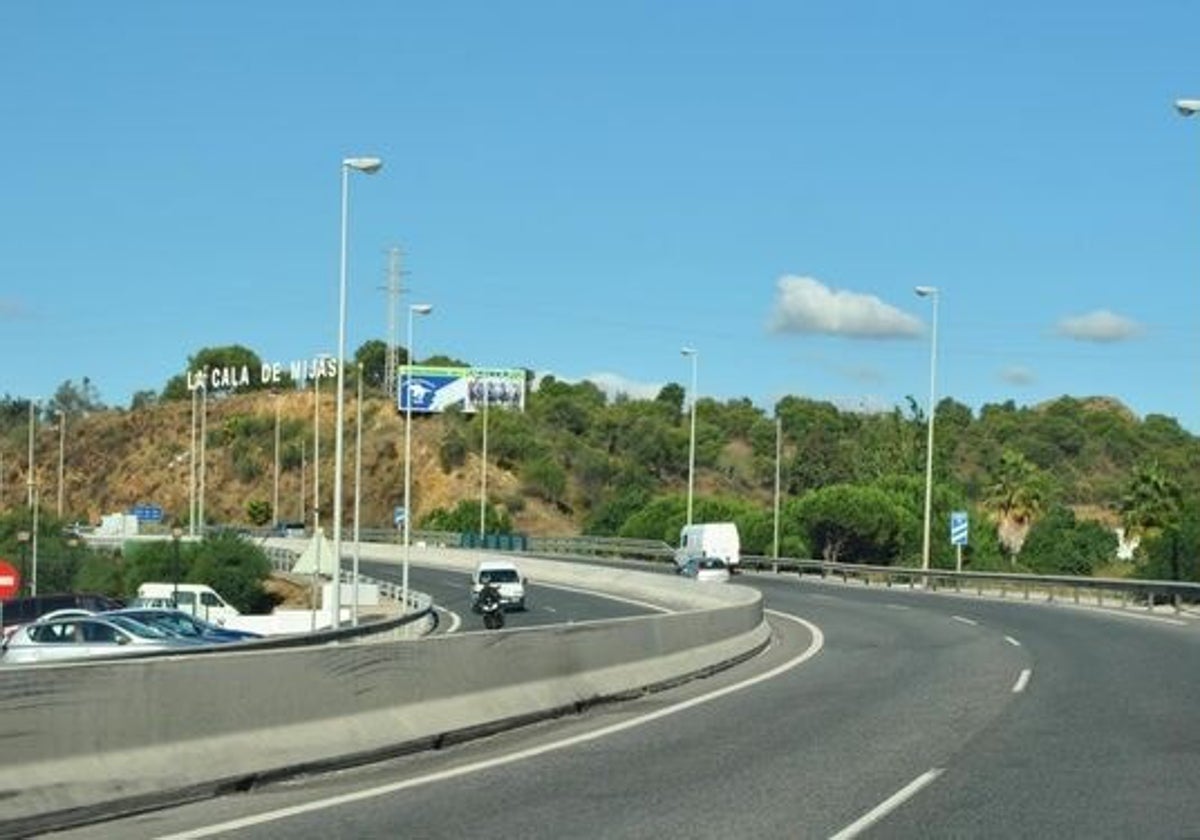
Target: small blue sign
<point>398,516</point>
<point>958,527</point>
<point>148,513</point>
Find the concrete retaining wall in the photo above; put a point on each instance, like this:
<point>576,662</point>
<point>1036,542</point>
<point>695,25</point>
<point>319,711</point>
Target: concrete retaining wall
<point>90,735</point>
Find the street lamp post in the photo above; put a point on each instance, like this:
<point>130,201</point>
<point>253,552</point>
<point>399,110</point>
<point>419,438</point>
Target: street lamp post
<point>357,494</point>
<point>930,292</point>
<point>62,438</point>
<point>33,569</point>
<point>366,165</point>
<point>413,309</point>
<point>275,486</point>
<point>483,469</point>
<point>29,475</point>
<point>192,475</point>
<point>176,533</point>
<point>203,456</point>
<point>695,355</point>
<point>22,542</point>
<point>778,458</point>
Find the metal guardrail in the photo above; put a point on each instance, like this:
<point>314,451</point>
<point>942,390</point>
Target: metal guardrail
<point>1125,592</point>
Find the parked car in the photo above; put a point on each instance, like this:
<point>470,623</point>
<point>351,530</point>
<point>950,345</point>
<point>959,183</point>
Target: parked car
<point>24,610</point>
<point>85,637</point>
<point>705,569</point>
<point>179,623</point>
<point>505,577</point>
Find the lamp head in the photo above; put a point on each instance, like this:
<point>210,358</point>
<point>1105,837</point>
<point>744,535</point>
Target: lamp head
<point>926,291</point>
<point>1187,107</point>
<point>369,165</point>
<point>420,308</point>
<point>689,351</point>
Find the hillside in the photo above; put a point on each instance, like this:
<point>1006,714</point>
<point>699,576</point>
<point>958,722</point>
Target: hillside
<point>114,459</point>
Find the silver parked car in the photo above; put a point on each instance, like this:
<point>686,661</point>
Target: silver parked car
<point>85,637</point>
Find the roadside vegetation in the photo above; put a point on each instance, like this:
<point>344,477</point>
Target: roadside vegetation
<point>1045,487</point>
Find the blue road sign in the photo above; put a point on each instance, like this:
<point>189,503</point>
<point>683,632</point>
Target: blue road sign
<point>148,513</point>
<point>958,527</point>
<point>398,516</point>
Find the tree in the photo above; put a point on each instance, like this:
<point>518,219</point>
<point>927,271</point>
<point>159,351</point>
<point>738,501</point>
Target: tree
<point>233,357</point>
<point>1015,497</point>
<point>1059,544</point>
<point>258,512</point>
<point>1151,500</point>
<point>372,355</point>
<point>851,524</point>
<point>73,399</point>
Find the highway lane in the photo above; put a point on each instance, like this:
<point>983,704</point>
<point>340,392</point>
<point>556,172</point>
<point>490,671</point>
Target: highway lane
<point>921,716</point>
<point>545,604</point>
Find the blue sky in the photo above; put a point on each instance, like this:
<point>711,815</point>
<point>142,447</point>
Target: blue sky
<point>583,189</point>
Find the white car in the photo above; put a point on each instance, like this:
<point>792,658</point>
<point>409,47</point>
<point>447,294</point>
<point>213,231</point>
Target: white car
<point>505,577</point>
<point>84,637</point>
<point>705,569</point>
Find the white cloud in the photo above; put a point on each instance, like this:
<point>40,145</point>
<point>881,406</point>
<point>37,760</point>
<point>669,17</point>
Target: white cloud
<point>1017,375</point>
<point>805,305</point>
<point>1099,326</point>
<point>612,384</point>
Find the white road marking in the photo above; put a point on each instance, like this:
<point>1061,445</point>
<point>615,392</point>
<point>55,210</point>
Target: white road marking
<point>455,621</point>
<point>897,607</point>
<point>888,805</point>
<point>964,620</point>
<point>1012,641</point>
<point>1022,681</point>
<point>818,642</point>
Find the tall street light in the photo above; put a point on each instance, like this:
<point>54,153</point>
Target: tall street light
<point>62,437</point>
<point>275,485</point>
<point>368,166</point>
<point>413,309</point>
<point>358,420</point>
<point>483,469</point>
<point>29,475</point>
<point>930,292</point>
<point>695,354</point>
<point>192,476</point>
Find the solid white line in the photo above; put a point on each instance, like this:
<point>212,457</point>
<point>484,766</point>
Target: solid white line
<point>1022,681</point>
<point>888,805</point>
<point>818,642</point>
<point>455,621</point>
<point>963,620</point>
<point>1012,641</point>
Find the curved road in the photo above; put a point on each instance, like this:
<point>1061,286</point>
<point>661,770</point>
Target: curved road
<point>881,713</point>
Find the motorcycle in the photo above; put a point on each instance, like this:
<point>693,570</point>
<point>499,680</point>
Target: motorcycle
<point>490,607</point>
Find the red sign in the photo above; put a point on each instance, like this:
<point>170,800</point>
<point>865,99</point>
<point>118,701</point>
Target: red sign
<point>10,580</point>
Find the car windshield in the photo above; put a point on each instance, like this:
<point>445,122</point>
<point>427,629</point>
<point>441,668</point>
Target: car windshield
<point>137,628</point>
<point>498,576</point>
<point>176,623</point>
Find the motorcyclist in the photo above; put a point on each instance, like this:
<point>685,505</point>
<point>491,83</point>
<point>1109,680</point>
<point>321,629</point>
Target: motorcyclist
<point>489,596</point>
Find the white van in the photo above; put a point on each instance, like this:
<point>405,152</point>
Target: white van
<point>505,577</point>
<point>709,539</point>
<point>197,599</point>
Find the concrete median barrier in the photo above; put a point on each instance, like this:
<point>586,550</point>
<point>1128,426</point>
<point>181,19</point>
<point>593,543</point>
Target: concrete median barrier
<point>93,738</point>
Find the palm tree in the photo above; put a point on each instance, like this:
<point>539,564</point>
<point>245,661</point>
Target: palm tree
<point>1150,502</point>
<point>1015,498</point>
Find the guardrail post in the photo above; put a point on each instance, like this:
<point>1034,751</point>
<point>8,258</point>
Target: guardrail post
<point>1075,592</point>
<point>1025,585</point>
<point>1175,601</point>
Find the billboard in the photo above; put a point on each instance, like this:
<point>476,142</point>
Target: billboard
<point>430,390</point>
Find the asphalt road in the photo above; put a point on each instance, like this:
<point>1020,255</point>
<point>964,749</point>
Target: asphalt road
<point>545,604</point>
<point>880,713</point>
